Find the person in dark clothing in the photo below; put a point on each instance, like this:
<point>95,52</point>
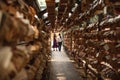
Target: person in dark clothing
<point>54,43</point>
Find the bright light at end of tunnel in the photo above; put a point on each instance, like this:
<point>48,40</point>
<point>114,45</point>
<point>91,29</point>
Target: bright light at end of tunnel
<point>42,4</point>
<point>57,0</point>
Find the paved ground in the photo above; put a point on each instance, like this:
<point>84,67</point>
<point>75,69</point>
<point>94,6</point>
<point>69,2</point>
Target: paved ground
<point>62,68</point>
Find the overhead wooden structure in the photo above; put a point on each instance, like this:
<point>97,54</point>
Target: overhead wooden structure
<point>51,11</point>
<point>79,9</point>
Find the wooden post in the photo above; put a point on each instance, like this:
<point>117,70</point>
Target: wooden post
<point>71,41</point>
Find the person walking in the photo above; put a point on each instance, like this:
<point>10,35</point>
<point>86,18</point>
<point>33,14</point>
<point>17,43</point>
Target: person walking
<point>59,40</point>
<point>54,43</point>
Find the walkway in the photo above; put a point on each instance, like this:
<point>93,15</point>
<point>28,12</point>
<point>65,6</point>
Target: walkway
<point>62,68</point>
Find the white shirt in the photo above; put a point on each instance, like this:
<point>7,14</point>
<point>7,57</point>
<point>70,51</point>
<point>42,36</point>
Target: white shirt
<point>59,39</point>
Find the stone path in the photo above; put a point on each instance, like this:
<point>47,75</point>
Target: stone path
<point>62,68</point>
